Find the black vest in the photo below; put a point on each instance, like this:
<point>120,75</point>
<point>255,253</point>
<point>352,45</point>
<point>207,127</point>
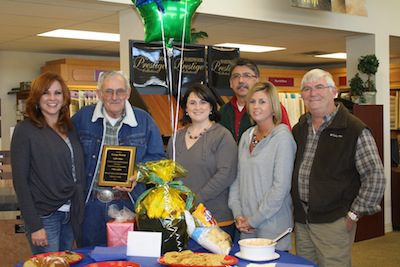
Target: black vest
<point>334,180</point>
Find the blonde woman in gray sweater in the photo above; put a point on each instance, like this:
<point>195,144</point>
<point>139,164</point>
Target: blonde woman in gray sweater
<point>260,196</point>
<point>208,152</point>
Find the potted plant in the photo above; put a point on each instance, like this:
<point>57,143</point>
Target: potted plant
<point>367,65</point>
<point>356,88</point>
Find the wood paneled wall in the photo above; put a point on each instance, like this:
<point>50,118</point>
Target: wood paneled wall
<point>80,71</point>
<point>159,108</point>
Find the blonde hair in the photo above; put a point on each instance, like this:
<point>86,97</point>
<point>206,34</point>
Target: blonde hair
<point>272,93</point>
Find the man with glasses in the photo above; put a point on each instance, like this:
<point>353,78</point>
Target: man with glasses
<point>244,74</point>
<point>112,121</point>
<point>337,175</point>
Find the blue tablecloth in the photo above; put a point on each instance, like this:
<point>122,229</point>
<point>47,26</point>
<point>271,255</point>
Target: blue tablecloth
<point>285,260</point>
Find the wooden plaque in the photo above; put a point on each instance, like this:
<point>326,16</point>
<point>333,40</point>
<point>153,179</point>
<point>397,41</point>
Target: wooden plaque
<point>117,165</point>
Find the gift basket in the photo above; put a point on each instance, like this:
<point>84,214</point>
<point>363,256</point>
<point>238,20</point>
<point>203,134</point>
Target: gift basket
<point>161,208</point>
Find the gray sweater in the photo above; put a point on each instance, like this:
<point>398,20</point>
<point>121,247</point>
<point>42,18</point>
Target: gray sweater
<point>261,191</point>
<point>211,165</point>
<point>42,173</point>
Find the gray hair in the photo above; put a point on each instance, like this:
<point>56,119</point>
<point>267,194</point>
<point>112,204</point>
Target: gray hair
<point>316,74</point>
<point>112,73</point>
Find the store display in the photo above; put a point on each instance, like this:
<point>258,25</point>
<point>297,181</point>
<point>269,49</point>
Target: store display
<point>81,98</point>
<point>294,105</point>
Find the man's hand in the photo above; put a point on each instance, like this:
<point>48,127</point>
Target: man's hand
<point>127,189</point>
<point>349,223</point>
<point>39,238</point>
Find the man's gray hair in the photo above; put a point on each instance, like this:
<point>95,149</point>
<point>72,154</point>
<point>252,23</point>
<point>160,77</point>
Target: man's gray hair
<point>106,74</point>
<point>315,75</point>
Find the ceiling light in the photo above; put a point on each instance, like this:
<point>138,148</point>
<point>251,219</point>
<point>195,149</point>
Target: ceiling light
<point>334,55</point>
<point>252,48</point>
<point>83,35</point>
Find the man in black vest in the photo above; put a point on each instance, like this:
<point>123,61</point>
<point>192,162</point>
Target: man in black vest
<point>337,177</point>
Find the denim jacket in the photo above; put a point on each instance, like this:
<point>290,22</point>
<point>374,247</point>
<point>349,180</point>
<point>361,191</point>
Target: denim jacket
<point>137,129</point>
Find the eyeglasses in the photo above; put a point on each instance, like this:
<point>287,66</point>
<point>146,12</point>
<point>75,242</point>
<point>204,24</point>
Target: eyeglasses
<point>119,92</point>
<point>246,76</point>
<point>317,87</point>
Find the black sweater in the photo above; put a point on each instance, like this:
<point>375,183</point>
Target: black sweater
<point>42,174</point>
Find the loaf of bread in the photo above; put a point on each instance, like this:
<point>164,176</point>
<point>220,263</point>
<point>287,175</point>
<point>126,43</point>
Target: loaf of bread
<point>48,261</point>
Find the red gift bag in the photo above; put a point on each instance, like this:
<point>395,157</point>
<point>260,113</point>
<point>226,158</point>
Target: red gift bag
<point>117,233</point>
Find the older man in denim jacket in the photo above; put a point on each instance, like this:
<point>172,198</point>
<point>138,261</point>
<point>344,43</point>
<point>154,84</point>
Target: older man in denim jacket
<point>112,121</point>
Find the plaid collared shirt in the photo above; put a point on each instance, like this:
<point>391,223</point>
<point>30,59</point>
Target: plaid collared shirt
<point>367,161</point>
<point>110,138</point>
<point>309,154</point>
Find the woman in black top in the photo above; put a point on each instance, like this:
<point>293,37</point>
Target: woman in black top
<point>47,167</point>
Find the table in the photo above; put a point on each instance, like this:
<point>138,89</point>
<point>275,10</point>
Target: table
<point>285,258</point>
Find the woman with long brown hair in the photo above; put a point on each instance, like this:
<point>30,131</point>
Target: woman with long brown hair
<point>47,167</point>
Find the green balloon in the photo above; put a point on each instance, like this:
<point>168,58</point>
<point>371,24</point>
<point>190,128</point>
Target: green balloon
<point>172,20</point>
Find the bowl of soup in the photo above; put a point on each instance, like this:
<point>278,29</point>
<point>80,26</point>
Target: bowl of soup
<point>257,248</point>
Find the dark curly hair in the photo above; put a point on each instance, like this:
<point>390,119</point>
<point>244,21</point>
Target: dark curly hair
<point>204,93</point>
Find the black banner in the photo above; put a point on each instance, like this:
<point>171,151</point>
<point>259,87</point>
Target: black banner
<point>193,68</point>
<point>147,65</point>
<point>148,72</point>
<point>220,60</point>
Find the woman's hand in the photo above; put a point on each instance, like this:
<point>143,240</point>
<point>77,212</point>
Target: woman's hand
<point>243,225</point>
<point>127,189</point>
<point>39,238</point>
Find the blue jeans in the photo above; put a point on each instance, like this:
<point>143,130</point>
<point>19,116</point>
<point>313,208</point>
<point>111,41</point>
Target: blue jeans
<point>93,231</point>
<point>59,232</point>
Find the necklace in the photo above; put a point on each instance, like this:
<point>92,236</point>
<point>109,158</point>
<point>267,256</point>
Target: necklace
<point>194,137</point>
<point>255,141</point>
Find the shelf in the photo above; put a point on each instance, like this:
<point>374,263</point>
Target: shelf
<point>82,87</point>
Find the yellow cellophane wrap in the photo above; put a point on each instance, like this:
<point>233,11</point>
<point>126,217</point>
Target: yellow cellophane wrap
<point>165,199</point>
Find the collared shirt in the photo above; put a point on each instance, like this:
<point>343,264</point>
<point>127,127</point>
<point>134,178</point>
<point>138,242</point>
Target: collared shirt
<point>309,154</point>
<point>368,165</point>
<point>129,118</point>
<point>110,138</point>
<point>238,115</point>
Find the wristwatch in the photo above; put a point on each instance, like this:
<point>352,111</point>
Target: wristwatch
<point>353,216</point>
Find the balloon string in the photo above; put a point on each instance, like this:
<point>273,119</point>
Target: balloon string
<point>173,122</point>
<point>167,56</point>
<point>168,72</point>
<point>178,97</point>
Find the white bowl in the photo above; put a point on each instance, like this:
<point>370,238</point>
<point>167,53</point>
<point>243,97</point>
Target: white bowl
<point>257,248</point>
